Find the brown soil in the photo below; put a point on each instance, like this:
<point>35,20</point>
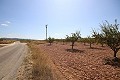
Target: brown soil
<point>82,63</point>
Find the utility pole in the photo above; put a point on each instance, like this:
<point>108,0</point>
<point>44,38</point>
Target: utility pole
<point>46,31</point>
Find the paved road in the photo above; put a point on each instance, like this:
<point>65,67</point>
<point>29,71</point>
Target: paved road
<point>11,58</point>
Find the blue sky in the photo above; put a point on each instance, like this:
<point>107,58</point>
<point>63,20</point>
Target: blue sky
<point>27,18</point>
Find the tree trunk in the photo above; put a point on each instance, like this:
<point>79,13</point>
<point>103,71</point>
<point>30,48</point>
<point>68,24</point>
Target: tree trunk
<point>115,55</point>
<point>102,44</point>
<point>90,45</point>
<point>72,45</point>
<point>63,42</point>
<point>84,43</point>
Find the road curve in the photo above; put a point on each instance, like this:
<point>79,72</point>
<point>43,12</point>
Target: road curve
<point>11,57</point>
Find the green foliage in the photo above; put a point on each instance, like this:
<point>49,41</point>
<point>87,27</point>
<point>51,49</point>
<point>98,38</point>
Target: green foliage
<point>83,40</point>
<point>50,40</point>
<point>90,41</point>
<point>99,38</point>
<point>73,38</point>
<point>1,39</point>
<point>110,34</point>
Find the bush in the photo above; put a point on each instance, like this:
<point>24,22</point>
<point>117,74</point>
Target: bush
<point>50,40</point>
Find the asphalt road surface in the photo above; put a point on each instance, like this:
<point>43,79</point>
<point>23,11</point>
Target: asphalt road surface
<point>11,57</point>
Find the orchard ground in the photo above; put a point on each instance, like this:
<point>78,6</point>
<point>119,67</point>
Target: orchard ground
<point>83,63</point>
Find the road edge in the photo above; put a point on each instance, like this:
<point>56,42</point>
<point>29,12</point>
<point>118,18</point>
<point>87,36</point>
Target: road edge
<point>25,70</point>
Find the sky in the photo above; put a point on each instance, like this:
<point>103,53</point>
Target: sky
<point>27,18</point>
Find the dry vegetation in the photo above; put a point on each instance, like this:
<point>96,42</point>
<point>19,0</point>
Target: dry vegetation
<point>43,67</point>
<point>6,41</point>
<point>1,46</point>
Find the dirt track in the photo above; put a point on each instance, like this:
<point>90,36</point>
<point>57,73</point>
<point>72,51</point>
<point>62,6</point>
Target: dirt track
<point>11,57</point>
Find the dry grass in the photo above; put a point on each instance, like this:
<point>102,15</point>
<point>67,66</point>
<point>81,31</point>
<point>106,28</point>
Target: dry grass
<point>1,46</point>
<point>38,65</point>
<point>41,64</point>
<point>7,41</point>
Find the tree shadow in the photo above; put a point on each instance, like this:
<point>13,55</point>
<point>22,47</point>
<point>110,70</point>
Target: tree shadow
<point>86,44</point>
<point>97,48</point>
<point>41,43</point>
<point>112,61</point>
<point>75,50</point>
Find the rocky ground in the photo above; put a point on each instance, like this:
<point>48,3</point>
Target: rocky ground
<point>84,63</point>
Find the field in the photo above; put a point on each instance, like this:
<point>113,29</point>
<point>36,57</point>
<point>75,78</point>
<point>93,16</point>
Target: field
<point>81,64</point>
<point>1,46</point>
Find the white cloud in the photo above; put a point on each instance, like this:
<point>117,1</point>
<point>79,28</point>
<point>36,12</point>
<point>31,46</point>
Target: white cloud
<point>8,22</point>
<point>4,24</point>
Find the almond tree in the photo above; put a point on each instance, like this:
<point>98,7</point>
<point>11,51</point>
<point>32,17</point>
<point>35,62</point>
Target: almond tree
<point>50,40</point>
<point>90,41</point>
<point>111,36</point>
<point>83,40</point>
<point>73,38</point>
<point>63,41</point>
<point>99,38</point>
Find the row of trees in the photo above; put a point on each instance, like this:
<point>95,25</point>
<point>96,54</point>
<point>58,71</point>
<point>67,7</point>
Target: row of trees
<point>109,35</point>
<point>89,40</point>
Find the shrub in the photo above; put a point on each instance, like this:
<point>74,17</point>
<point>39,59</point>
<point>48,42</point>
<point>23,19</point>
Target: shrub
<point>50,40</point>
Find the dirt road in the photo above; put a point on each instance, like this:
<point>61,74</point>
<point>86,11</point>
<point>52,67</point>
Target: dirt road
<point>11,57</point>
